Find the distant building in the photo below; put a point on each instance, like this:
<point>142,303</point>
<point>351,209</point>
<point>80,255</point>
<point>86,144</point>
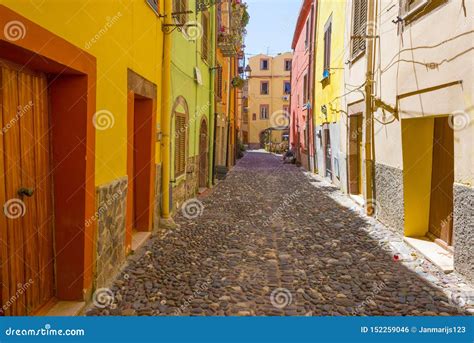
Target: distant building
<point>269,99</point>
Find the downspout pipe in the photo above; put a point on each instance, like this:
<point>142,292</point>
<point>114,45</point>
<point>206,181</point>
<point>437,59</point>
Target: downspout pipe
<point>369,133</point>
<point>212,114</point>
<point>166,119</point>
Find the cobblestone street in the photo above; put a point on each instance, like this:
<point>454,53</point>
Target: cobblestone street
<point>273,240</point>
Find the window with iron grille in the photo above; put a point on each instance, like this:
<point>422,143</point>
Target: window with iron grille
<point>219,82</point>
<point>180,6</point>
<point>264,88</point>
<point>359,26</point>
<point>327,44</point>
<point>205,36</point>
<point>180,144</point>
<point>286,87</point>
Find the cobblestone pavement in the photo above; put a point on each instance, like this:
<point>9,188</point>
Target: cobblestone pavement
<point>272,240</point>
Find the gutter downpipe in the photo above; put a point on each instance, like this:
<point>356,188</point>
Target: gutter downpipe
<point>369,133</point>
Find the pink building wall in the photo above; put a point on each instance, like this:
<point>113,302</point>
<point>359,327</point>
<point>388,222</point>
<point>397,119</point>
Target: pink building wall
<point>301,123</point>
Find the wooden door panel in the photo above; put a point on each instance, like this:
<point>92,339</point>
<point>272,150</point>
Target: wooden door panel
<point>12,153</point>
<point>442,179</point>
<point>43,191</point>
<point>4,267</point>
<point>27,172</point>
<point>27,238</point>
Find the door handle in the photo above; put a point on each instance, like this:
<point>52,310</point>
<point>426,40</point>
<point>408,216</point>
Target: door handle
<point>26,191</point>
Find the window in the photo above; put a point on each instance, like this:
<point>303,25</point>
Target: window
<point>264,64</point>
<point>305,89</point>
<point>327,45</point>
<point>180,6</point>
<point>411,6</point>
<point>359,24</point>
<point>264,88</point>
<point>264,111</point>
<point>286,87</point>
<point>219,82</point>
<point>306,40</point>
<point>287,65</point>
<point>205,36</point>
<point>180,144</point>
<point>246,118</point>
<point>254,116</point>
<point>286,110</point>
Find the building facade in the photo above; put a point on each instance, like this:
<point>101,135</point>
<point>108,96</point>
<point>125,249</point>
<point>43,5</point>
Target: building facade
<point>328,75</point>
<point>405,115</point>
<point>192,102</point>
<point>86,101</point>
<point>269,90</point>
<point>302,90</point>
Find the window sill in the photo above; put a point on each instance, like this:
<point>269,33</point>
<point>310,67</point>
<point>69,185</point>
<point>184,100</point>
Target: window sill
<point>414,11</point>
<point>356,57</point>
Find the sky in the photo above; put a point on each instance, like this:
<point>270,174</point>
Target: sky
<point>271,27</point>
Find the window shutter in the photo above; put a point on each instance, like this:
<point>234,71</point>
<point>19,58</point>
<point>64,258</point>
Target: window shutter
<point>219,82</point>
<point>180,144</point>
<point>359,22</point>
<point>205,36</point>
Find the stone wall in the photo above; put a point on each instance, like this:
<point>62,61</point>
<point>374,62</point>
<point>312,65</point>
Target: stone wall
<point>464,229</point>
<point>187,189</point>
<point>111,213</point>
<point>389,196</point>
<point>157,203</point>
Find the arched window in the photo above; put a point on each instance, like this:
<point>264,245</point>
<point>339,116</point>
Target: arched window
<point>180,135</point>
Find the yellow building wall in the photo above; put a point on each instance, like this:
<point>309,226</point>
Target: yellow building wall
<point>276,75</point>
<point>328,92</point>
<point>417,138</point>
<point>121,35</point>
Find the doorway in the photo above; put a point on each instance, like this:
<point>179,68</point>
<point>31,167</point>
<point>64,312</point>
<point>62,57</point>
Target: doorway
<point>203,155</point>
<point>28,207</point>
<point>140,166</point>
<point>327,152</point>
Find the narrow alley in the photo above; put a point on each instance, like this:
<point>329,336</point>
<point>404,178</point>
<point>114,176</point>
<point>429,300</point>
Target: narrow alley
<point>272,240</point>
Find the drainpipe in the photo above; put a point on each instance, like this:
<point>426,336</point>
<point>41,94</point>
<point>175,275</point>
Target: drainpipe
<point>166,117</point>
<point>369,133</point>
<point>212,114</point>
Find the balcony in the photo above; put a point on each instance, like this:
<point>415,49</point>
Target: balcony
<point>228,43</point>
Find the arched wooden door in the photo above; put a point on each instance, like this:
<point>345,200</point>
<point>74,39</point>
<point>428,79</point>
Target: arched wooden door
<point>203,155</point>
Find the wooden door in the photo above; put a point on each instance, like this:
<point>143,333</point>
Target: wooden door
<point>203,153</point>
<point>27,255</point>
<point>442,180</point>
<point>355,154</point>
